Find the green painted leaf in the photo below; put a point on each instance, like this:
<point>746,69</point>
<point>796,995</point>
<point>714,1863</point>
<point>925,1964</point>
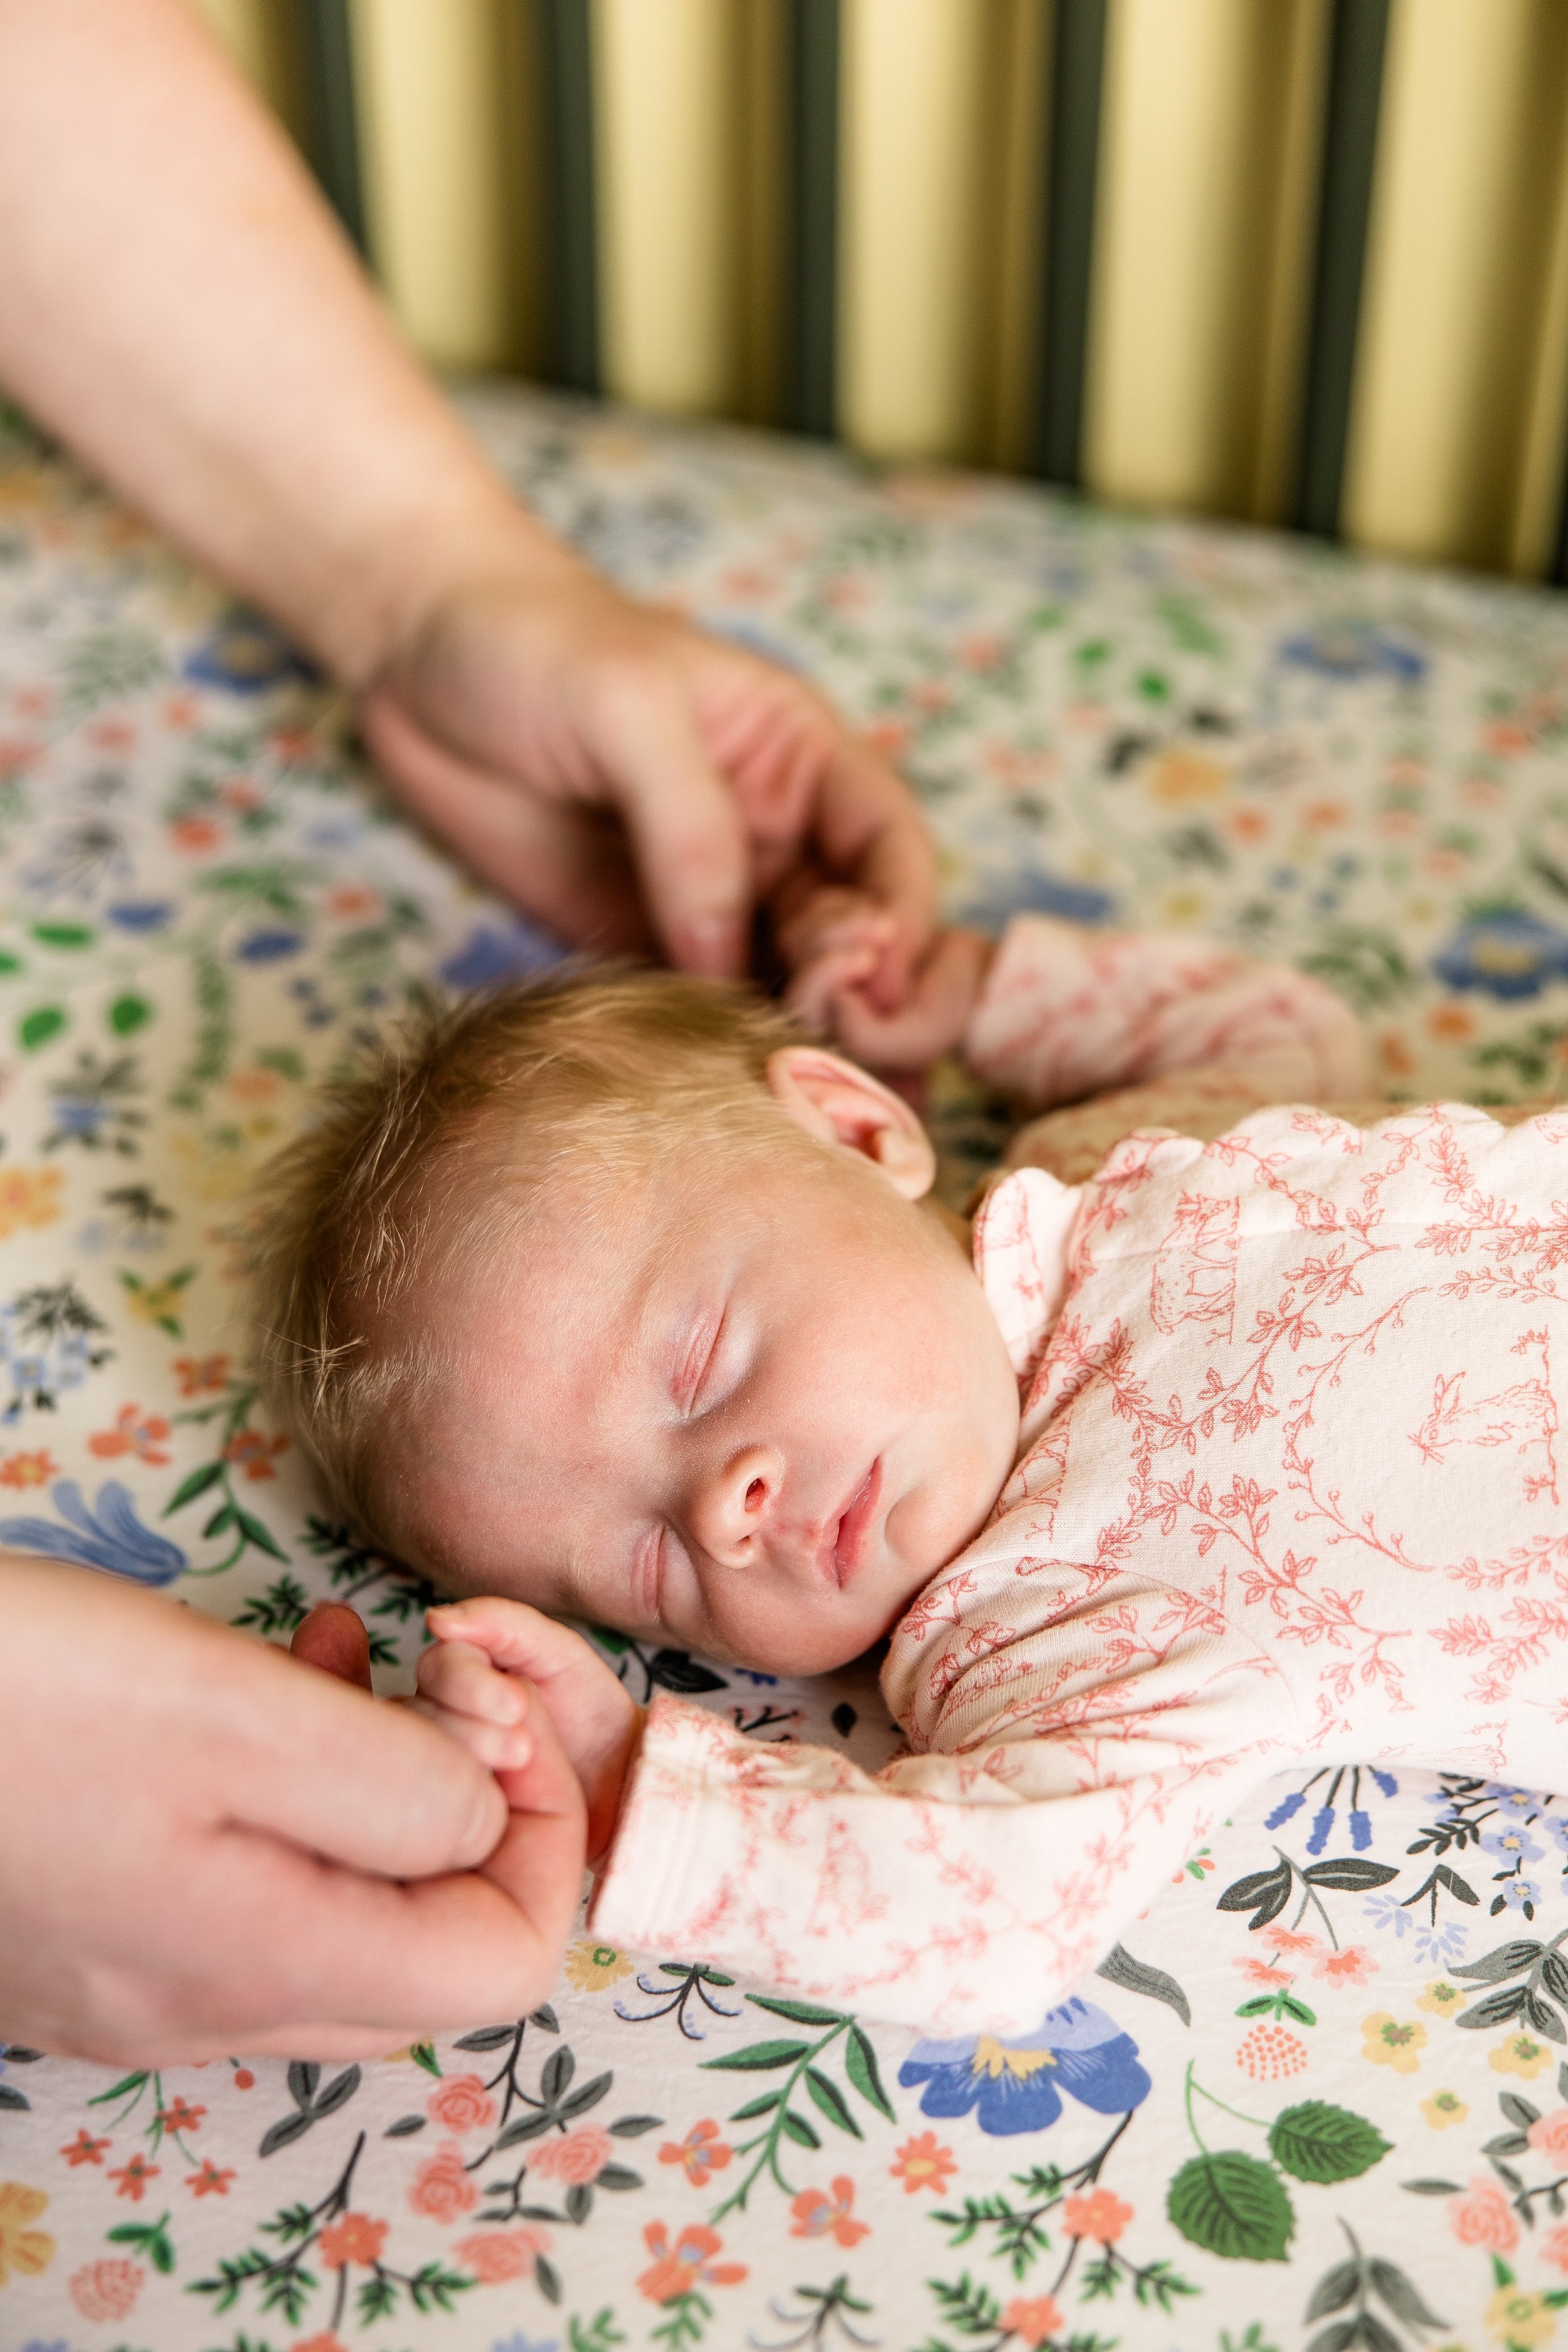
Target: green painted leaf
<point>262,1537</point>
<point>36,1029</point>
<point>826,2095</point>
<point>860,2065</point>
<point>1234,2206</point>
<point>128,1013</point>
<point>800,2130</point>
<point>756,2057</point>
<point>196,1483</point>
<point>799,2012</point>
<point>9,962</point>
<point>1318,2142</point>
<point>755,2107</point>
<point>63,935</point>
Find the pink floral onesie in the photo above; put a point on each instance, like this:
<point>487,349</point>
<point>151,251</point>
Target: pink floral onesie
<point>1286,1489</point>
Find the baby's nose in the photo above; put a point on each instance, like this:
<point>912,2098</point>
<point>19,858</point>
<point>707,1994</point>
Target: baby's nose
<point>730,1510</point>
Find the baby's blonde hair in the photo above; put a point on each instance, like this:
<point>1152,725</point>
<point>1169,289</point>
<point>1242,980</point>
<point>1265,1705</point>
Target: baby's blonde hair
<point>435,1150</point>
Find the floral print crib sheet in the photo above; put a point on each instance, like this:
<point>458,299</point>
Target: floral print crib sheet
<point>1321,2097</point>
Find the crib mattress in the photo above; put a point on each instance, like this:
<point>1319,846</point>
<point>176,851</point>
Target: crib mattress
<point>1320,2097</point>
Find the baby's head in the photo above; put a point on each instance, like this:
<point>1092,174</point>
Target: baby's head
<point>607,1294</point>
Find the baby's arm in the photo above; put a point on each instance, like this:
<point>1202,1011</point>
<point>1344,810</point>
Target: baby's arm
<point>498,1670</point>
<point>964,1888</point>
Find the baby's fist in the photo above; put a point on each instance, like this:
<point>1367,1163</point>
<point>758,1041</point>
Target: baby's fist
<point>474,1678</point>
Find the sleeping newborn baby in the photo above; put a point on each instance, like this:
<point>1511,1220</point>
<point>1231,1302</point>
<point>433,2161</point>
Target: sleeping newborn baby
<point>610,1298</point>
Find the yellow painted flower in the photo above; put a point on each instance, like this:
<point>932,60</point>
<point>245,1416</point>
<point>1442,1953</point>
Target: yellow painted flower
<point>593,1966</point>
<point>1520,2318</point>
<point>1389,2043</point>
<point>1521,2054</point>
<point>29,1196</point>
<point>1443,2108</point>
<point>23,2248</point>
<point>1441,1998</point>
<point>1183,908</point>
<point>1180,779</point>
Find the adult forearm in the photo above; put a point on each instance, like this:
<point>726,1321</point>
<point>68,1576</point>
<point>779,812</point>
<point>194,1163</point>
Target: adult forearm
<point>178,304</point>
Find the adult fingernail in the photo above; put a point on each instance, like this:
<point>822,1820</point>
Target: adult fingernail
<point>710,943</point>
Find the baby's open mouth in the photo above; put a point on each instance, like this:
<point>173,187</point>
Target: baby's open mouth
<point>853,1539</point>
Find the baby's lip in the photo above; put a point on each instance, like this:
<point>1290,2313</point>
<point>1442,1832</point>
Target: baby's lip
<point>856,1525</point>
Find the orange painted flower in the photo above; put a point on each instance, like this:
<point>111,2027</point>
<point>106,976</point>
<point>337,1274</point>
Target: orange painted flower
<point>201,1375</point>
<point>133,1433</point>
<point>106,2289</point>
<point>179,2115</point>
<point>1548,2136</point>
<point>442,2189</point>
<point>320,2343</point>
<point>23,2248</point>
<point>924,2163</point>
<point>1270,2052</point>
<point>133,2177</point>
<point>576,2157</point>
<point>1100,2216</point>
<point>676,2269</point>
<point>701,2151</point>
<point>824,2214</point>
<point>1262,1972</point>
<point>1452,1022</point>
<point>352,899</point>
<point>30,1197</point>
<point>29,1469</point>
<point>1353,1965</point>
<point>84,2150</point>
<point>357,2237</point>
<point>252,1451</point>
<point>1032,2319</point>
<point>1553,2247</point>
<point>496,2255</point>
<point>195,833</point>
<point>888,737</point>
<point>462,2104</point>
<point>210,2181</point>
<point>1483,2217</point>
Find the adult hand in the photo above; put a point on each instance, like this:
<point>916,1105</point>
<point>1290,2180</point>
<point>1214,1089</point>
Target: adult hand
<point>209,1847</point>
<point>630,780</point>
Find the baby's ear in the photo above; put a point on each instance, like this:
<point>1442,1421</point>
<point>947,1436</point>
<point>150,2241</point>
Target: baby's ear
<point>839,1104</point>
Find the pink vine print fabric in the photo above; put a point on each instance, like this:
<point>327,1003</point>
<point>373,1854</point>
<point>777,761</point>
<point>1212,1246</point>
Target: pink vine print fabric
<point>1314,2098</point>
<point>1287,1489</point>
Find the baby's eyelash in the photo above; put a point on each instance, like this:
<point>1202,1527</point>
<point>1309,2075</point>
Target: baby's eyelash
<point>694,1368</point>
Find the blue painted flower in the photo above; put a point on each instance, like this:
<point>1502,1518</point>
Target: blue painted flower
<point>1037,893</point>
<point>110,1535</point>
<point>246,655</point>
<point>492,953</point>
<point>1508,954</point>
<point>1350,648</point>
<point>1522,1804</point>
<point>1015,2082</point>
<point>1510,1840</point>
<point>1439,1947</point>
<point>141,914</point>
<point>520,2343</point>
<point>269,946</point>
<point>1555,1826</point>
<point>1323,1819</point>
<point>1522,1891</point>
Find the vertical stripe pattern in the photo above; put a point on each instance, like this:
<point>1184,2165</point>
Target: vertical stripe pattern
<point>1301,259</point>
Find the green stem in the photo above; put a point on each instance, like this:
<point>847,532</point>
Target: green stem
<point>768,2139</point>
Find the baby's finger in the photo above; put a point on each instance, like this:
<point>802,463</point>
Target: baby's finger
<point>814,992</point>
<point>517,1639</point>
<point>500,1747</point>
<point>459,1675</point>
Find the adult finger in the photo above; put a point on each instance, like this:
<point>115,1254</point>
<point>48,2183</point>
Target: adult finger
<point>307,1757</point>
<point>565,864</point>
<point>869,832</point>
<point>320,1941</point>
<point>334,1639</point>
<point>688,837</point>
